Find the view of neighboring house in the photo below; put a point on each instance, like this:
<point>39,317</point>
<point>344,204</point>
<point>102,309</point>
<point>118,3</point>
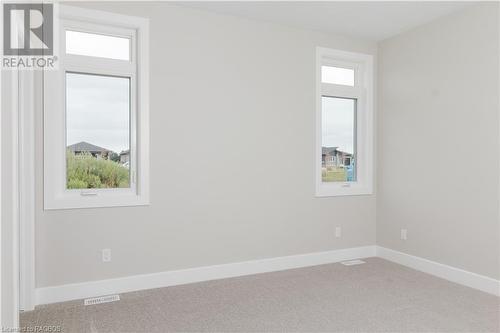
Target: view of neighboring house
<point>125,156</point>
<point>332,157</point>
<point>85,147</point>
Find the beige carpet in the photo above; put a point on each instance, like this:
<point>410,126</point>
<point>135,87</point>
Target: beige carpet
<point>378,296</point>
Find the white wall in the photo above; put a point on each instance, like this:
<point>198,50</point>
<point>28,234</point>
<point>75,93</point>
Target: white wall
<point>232,141</point>
<point>438,131</point>
<point>9,274</point>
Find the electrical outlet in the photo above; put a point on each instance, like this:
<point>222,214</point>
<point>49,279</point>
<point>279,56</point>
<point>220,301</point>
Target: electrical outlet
<point>338,232</point>
<point>106,255</point>
<point>404,234</point>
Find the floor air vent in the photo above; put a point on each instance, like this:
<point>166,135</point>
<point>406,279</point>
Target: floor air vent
<point>353,262</point>
<point>102,299</point>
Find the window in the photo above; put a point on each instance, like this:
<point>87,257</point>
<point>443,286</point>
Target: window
<point>344,123</point>
<point>337,75</point>
<point>96,118</point>
<point>338,138</point>
<point>97,130</point>
<point>95,45</point>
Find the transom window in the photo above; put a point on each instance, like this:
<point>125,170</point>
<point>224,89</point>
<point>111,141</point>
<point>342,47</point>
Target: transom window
<point>97,45</point>
<point>96,112</point>
<point>337,75</point>
<point>344,117</point>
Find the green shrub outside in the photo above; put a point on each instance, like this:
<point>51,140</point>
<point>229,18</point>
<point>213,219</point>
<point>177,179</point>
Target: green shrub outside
<point>86,171</point>
<point>332,174</point>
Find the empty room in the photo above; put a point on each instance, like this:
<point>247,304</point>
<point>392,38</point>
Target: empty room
<point>250,166</point>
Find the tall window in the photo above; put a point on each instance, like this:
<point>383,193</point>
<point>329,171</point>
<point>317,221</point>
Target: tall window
<point>344,123</point>
<point>96,133</point>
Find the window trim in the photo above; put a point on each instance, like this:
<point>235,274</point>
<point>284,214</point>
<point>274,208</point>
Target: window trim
<point>56,195</point>
<point>363,92</point>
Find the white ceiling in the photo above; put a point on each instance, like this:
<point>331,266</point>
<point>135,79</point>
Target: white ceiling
<point>368,20</point>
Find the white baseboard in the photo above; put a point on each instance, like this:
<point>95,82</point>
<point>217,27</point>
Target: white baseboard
<point>449,273</point>
<point>172,278</point>
<point>75,291</point>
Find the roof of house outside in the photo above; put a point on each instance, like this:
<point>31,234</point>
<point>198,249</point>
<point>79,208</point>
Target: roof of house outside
<point>85,146</point>
<point>125,152</point>
<point>330,150</point>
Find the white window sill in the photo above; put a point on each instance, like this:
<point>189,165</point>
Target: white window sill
<point>342,189</point>
<point>76,199</point>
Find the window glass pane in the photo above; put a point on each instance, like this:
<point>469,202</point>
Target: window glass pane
<point>337,75</point>
<point>338,161</point>
<point>97,131</point>
<point>95,45</point>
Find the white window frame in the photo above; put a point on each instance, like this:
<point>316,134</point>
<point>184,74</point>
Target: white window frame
<point>362,91</point>
<point>56,195</point>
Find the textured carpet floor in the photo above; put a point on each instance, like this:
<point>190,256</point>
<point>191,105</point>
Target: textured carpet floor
<point>378,296</point>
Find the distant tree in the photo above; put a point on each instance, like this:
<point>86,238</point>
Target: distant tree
<point>114,157</point>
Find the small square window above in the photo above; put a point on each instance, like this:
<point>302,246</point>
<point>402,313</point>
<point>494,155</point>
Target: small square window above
<point>337,75</point>
<point>97,45</point>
